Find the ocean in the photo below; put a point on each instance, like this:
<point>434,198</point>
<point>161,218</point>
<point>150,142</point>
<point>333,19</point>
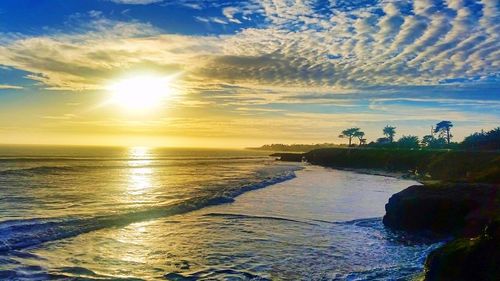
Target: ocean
<point>95,213</point>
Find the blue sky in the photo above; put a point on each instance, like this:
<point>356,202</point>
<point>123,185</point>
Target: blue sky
<point>250,71</point>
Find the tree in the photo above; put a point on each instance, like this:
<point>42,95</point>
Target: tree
<point>443,128</point>
<point>383,141</point>
<point>408,142</point>
<point>360,136</point>
<point>430,141</point>
<point>484,140</point>
<point>427,140</point>
<point>389,132</point>
<point>350,133</point>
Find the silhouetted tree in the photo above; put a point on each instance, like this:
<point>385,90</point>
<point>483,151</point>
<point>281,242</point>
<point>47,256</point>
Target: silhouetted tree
<point>389,132</point>
<point>430,141</point>
<point>408,142</point>
<point>360,136</point>
<point>486,141</point>
<point>443,128</point>
<point>349,133</point>
<point>383,141</point>
<point>427,140</point>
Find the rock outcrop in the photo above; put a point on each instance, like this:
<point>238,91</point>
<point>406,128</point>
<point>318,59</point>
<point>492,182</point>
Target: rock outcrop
<point>467,259</point>
<point>470,212</point>
<point>444,209</point>
<point>289,157</point>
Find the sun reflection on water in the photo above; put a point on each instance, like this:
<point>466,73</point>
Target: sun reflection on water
<point>133,240</point>
<point>140,174</point>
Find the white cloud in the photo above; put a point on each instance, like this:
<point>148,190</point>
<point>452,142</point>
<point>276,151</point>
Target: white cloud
<point>87,61</point>
<point>342,47</point>
<point>229,13</point>
<point>9,87</point>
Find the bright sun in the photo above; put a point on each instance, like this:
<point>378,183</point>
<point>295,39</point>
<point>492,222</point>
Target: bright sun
<point>140,92</point>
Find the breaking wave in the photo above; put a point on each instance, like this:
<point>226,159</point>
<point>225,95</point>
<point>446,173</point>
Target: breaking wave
<point>19,234</point>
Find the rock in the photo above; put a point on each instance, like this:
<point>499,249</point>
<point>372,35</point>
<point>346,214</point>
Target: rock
<point>459,210</point>
<point>467,259</point>
<point>289,157</point>
<point>445,209</point>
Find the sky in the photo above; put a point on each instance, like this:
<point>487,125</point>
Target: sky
<point>246,73</point>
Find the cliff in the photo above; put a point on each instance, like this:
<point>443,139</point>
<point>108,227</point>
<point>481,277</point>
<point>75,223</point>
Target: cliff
<point>444,209</point>
<point>470,212</point>
<point>442,165</point>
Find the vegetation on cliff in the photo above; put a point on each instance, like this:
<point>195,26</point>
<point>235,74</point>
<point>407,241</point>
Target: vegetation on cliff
<point>440,139</point>
<point>293,147</point>
<point>444,165</point>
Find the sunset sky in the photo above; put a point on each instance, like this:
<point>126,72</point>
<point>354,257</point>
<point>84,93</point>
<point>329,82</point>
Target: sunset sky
<point>244,73</point>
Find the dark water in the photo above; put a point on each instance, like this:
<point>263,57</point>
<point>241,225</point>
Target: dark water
<point>76,213</point>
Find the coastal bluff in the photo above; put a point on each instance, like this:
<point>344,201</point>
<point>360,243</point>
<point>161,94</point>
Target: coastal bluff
<point>467,212</point>
<point>438,165</point>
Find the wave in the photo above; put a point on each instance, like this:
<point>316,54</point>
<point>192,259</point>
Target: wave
<point>19,234</point>
<point>42,170</point>
<point>38,170</point>
<point>64,273</point>
<point>241,216</point>
<point>407,271</point>
<point>215,274</point>
<point>369,222</point>
<point>81,273</point>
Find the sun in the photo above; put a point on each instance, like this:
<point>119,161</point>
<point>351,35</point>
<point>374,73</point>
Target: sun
<point>141,92</point>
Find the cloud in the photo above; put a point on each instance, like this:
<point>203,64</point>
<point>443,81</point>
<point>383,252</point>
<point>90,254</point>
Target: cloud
<point>66,116</point>
<point>211,19</point>
<point>230,13</point>
<point>9,87</point>
<point>343,46</point>
<point>87,61</point>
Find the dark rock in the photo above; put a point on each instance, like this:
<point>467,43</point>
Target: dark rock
<point>446,209</point>
<point>289,157</point>
<point>466,259</point>
<point>459,210</point>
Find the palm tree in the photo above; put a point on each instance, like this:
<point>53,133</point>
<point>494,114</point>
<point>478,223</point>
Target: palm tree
<point>389,132</point>
<point>349,133</point>
<point>443,128</point>
<point>360,136</point>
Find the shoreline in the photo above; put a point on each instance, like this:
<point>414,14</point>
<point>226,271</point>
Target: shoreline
<point>331,198</point>
<point>455,197</point>
<point>329,187</point>
<point>376,172</point>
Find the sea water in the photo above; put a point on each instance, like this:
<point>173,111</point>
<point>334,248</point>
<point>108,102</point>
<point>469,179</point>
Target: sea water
<point>86,213</point>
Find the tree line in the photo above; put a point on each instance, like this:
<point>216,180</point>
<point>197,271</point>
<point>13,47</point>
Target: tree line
<point>439,138</point>
<point>293,147</point>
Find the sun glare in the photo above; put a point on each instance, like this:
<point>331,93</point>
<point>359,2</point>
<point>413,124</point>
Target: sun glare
<point>141,92</point>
